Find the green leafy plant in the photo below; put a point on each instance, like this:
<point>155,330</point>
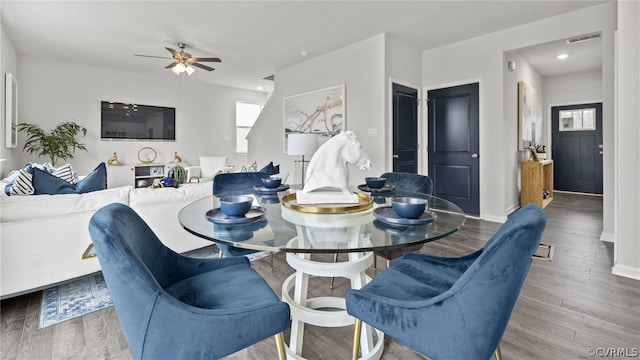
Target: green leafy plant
<point>57,144</point>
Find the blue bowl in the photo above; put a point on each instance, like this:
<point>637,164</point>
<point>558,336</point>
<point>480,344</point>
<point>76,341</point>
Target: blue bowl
<point>409,207</point>
<point>271,182</point>
<point>375,182</point>
<point>235,205</point>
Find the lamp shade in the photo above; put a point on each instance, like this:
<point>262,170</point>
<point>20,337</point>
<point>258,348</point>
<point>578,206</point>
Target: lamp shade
<point>302,144</point>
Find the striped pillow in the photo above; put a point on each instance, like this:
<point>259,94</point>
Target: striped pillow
<point>22,184</point>
<point>66,173</point>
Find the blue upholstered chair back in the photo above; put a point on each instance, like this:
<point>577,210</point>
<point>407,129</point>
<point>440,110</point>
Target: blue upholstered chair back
<point>410,182</point>
<point>141,266</point>
<point>179,307</point>
<point>236,183</point>
<point>453,308</point>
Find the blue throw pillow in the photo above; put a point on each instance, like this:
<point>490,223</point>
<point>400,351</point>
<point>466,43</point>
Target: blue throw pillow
<point>270,169</point>
<point>45,183</point>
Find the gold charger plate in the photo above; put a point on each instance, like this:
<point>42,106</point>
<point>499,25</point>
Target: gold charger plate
<point>365,201</point>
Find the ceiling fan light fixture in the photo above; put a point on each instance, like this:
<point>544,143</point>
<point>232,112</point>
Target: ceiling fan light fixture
<point>179,68</point>
<point>190,69</point>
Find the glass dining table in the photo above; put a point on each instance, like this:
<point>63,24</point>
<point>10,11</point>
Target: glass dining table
<point>276,223</point>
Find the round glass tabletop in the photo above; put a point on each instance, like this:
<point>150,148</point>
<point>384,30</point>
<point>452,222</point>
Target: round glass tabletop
<point>374,228</point>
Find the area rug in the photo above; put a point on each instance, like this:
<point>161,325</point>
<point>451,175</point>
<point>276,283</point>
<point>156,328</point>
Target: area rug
<point>88,294</point>
<point>72,299</point>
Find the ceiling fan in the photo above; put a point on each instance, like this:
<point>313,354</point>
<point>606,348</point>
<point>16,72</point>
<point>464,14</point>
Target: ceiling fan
<point>184,62</point>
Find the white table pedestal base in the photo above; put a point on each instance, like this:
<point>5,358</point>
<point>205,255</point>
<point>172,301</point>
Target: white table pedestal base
<point>322,311</point>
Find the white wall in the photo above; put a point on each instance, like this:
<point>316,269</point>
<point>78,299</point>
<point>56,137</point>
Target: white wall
<point>403,65</point>
<point>367,69</point>
<point>361,68</point>
<point>8,64</point>
<point>524,72</point>
<point>482,58</point>
<point>627,149</point>
<point>52,92</point>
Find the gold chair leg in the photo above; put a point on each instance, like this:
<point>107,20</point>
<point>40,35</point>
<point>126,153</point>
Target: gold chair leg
<point>357,331</point>
<point>282,353</point>
<point>220,254</point>
<point>335,260</point>
<point>497,355</point>
<point>271,259</point>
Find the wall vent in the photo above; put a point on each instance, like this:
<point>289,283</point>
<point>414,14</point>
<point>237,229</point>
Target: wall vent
<point>583,38</point>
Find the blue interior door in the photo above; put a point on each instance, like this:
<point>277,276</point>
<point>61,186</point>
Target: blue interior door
<point>576,137</point>
<point>453,150</point>
<point>405,129</point>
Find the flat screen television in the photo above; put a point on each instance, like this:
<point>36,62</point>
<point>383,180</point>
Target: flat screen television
<point>122,121</point>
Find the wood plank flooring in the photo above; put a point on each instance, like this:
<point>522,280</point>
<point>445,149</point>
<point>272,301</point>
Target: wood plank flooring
<point>567,306</point>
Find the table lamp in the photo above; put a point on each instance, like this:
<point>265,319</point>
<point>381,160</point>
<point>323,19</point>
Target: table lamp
<point>302,144</point>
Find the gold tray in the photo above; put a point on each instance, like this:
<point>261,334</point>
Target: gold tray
<point>365,201</point>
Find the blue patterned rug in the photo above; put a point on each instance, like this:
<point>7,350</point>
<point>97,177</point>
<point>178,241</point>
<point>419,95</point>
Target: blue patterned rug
<point>72,299</point>
<point>88,294</point>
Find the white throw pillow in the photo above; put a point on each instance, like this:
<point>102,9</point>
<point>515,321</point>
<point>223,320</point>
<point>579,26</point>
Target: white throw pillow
<point>210,165</point>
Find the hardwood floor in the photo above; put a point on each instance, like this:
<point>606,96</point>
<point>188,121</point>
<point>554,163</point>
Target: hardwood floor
<point>566,307</point>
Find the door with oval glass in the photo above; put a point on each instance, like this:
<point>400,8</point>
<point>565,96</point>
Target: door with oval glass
<point>577,147</point>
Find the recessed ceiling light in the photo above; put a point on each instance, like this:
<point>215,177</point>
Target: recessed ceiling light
<point>259,88</point>
<point>562,56</point>
<point>304,53</point>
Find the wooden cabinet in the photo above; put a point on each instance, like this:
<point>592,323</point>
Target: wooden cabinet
<point>144,174</point>
<point>536,179</point>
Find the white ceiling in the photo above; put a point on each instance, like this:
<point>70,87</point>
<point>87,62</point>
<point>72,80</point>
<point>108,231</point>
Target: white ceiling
<point>254,39</point>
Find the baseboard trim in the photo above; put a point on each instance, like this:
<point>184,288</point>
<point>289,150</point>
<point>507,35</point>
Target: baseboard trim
<point>626,271</point>
<point>496,219</point>
<point>606,237</point>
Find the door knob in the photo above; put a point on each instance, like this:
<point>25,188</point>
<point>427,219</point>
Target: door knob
<point>475,156</point>
<point>395,156</point>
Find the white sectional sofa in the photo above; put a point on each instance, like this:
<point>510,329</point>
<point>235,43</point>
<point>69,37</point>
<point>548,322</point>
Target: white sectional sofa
<point>43,237</point>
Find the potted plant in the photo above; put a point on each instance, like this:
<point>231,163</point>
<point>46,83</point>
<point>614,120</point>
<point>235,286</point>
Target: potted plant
<point>57,144</point>
<point>541,151</point>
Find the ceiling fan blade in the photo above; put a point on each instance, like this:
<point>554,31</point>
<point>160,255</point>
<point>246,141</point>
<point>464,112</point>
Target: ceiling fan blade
<point>152,56</point>
<point>173,52</point>
<point>205,67</point>
<point>206,59</point>
<point>171,65</point>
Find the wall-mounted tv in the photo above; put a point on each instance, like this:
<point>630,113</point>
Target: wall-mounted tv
<point>122,121</point>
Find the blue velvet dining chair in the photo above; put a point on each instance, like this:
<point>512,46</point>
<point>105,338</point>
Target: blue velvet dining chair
<point>407,182</point>
<point>452,308</point>
<point>225,184</point>
<point>172,306</point>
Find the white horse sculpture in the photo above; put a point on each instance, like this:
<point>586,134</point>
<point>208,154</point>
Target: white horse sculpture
<point>328,173</point>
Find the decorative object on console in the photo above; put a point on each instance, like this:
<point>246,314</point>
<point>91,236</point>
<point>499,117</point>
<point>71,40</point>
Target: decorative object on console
<point>57,144</point>
<point>147,155</point>
<point>328,173</point>
<point>11,111</point>
<point>176,158</point>
<point>320,112</point>
<point>114,160</point>
<point>302,144</point>
<point>178,173</point>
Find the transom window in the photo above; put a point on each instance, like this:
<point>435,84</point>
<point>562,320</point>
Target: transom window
<point>578,119</point>
<point>246,116</point>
